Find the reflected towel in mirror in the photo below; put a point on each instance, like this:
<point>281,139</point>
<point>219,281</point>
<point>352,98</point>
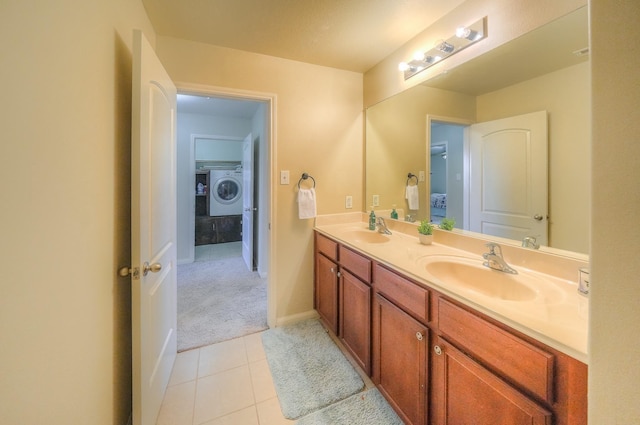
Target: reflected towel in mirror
<point>413,197</point>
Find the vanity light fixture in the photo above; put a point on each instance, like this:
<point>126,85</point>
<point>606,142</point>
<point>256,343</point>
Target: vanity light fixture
<point>445,47</point>
<point>464,37</point>
<point>468,33</point>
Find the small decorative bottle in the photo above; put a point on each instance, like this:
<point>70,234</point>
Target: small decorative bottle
<point>372,220</point>
<point>394,213</point>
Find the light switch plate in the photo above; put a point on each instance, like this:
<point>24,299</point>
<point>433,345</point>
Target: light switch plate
<point>376,200</point>
<point>421,176</point>
<point>348,202</point>
<point>284,176</point>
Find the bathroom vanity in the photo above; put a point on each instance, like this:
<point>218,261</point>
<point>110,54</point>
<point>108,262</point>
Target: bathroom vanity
<point>444,350</point>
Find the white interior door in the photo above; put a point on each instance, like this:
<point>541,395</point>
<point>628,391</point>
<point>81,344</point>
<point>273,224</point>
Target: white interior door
<point>247,201</point>
<point>153,231</point>
<point>508,177</point>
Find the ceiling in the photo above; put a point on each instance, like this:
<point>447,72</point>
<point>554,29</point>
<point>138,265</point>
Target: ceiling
<point>352,35</point>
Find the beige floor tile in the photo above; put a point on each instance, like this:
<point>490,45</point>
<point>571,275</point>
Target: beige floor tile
<point>255,349</point>
<point>269,413</point>
<point>185,367</point>
<point>177,406</point>
<point>263,387</point>
<point>223,393</point>
<point>248,416</point>
<point>222,356</point>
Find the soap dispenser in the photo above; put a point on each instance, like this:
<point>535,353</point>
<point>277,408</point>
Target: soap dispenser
<point>372,220</point>
<point>394,213</point>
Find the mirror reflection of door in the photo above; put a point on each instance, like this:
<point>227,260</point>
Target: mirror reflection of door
<point>517,206</point>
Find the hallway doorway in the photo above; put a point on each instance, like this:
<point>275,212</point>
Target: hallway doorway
<point>229,118</point>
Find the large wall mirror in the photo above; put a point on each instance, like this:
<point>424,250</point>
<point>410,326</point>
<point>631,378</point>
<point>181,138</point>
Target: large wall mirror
<point>426,130</point>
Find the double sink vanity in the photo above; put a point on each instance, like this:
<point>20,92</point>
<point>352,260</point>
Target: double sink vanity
<point>448,340</point>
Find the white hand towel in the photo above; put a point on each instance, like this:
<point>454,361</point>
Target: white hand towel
<point>306,203</point>
<point>413,198</point>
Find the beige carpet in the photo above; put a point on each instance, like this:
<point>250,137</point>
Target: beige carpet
<point>219,300</point>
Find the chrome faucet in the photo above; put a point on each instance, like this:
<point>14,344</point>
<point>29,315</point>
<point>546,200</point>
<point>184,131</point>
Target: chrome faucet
<point>382,226</point>
<point>494,259</point>
<point>530,242</point>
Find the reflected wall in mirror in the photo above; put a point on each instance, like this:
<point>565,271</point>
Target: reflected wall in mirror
<point>536,72</point>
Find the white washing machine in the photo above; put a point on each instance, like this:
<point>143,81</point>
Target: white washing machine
<point>226,192</point>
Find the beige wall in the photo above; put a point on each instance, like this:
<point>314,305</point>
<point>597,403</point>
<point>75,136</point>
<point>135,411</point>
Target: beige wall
<point>565,95</point>
<point>64,166</point>
<point>614,373</point>
<point>318,130</point>
<point>396,141</point>
<point>507,19</point>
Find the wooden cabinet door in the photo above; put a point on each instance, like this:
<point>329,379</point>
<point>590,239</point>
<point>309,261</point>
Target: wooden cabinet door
<point>355,318</point>
<point>465,393</point>
<point>400,360</point>
<point>326,292</point>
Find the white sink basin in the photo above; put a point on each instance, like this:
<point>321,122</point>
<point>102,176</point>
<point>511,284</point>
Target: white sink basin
<point>366,236</point>
<point>470,275</point>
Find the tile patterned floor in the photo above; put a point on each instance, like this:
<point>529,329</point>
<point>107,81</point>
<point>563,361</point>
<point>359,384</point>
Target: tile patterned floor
<point>228,383</point>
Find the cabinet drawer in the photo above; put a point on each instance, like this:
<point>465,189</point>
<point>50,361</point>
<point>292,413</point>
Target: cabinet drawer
<point>409,296</point>
<point>357,264</point>
<point>515,359</point>
<point>327,246</point>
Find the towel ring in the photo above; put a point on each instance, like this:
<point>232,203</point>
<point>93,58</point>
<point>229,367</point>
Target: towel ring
<point>412,176</point>
<point>306,176</point>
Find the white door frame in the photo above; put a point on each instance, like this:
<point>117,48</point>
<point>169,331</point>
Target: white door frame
<point>270,145</point>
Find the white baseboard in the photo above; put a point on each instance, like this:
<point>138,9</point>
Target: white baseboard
<point>288,320</point>
<point>185,261</point>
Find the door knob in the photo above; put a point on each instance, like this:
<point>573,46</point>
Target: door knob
<point>155,268</point>
<point>538,217</point>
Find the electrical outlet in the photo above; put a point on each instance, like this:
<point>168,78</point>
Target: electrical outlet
<point>348,201</point>
<point>284,176</point>
<point>376,200</point>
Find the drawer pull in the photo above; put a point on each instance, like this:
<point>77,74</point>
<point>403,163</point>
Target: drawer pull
<point>419,336</point>
<point>437,350</point>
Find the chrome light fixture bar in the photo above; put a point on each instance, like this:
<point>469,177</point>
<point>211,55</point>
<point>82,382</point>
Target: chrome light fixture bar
<point>464,37</point>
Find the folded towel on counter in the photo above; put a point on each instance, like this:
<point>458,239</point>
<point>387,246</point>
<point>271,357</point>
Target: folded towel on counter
<point>306,203</point>
<point>413,198</point>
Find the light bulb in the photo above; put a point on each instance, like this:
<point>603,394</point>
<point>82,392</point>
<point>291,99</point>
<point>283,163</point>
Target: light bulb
<point>419,56</point>
<point>403,66</point>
